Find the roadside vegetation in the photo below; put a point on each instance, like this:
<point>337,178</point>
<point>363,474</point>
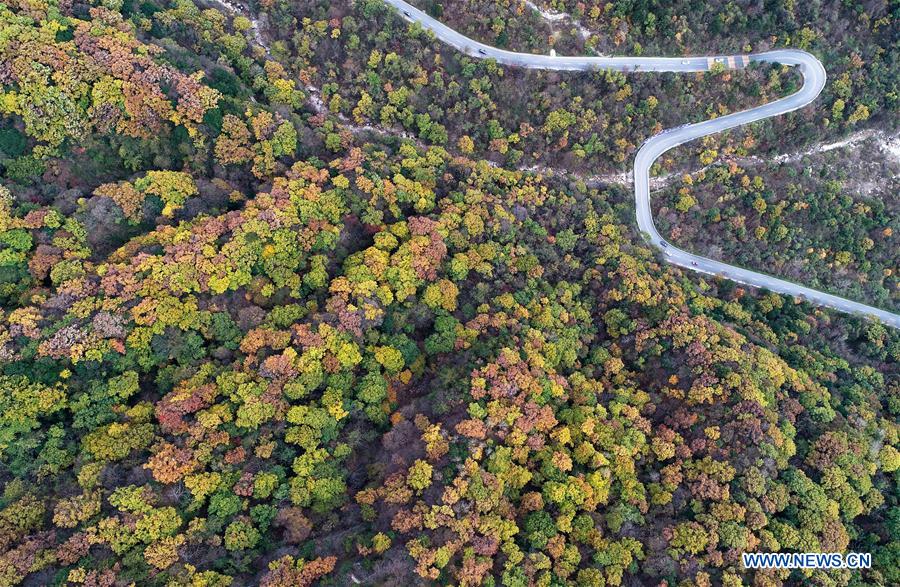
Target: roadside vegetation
<point>827,220</point>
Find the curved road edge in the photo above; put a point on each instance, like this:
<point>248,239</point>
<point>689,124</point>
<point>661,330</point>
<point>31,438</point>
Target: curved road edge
<point>814,78</point>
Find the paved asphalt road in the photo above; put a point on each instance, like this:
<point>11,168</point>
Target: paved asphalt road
<point>813,82</point>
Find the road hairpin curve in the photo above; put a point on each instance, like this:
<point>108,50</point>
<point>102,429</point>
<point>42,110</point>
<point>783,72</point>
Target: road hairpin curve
<point>813,81</point>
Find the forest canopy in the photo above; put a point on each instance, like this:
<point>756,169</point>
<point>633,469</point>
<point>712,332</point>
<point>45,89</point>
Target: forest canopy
<point>290,295</point>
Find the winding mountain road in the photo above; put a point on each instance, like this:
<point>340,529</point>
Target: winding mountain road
<point>813,81</point>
